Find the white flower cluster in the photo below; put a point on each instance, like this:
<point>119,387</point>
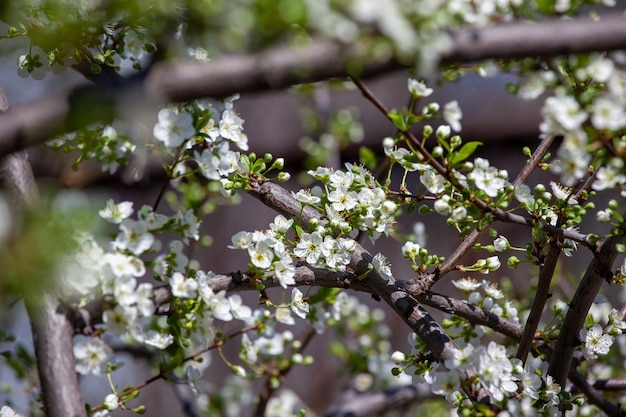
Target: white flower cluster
<point>197,125</point>
<point>564,115</point>
<point>508,381</point>
<point>133,315</point>
<point>492,298</point>
<point>113,273</point>
<point>487,178</point>
<point>268,249</point>
<point>352,201</point>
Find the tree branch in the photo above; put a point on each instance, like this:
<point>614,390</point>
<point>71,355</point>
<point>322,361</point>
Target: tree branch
<point>598,271</point>
<point>594,396</point>
<point>52,332</point>
<point>32,123</point>
<point>85,318</point>
<point>541,297</point>
<point>374,404</point>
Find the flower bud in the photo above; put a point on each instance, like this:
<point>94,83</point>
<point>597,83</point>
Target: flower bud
<point>388,143</point>
<point>398,357</point>
<point>513,262</point>
<point>501,244</point>
<point>442,207</point>
<point>443,132</point>
<point>459,213</point>
<point>437,151</point>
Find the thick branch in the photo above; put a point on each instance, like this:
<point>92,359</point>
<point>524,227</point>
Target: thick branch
<point>33,123</point>
<point>52,336</point>
<point>52,332</point>
<point>544,39</point>
<point>598,271</point>
<point>374,404</point>
<point>84,319</point>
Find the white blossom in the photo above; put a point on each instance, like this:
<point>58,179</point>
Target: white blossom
<point>7,411</point>
<point>298,305</point>
<point>183,287</point>
<point>418,88</point>
<point>466,284</point>
<point>595,342</point>
<point>261,255</point>
<point>158,340</point>
<point>173,128</point>
<point>115,213</point>
<point>433,182</point>
<point>452,114</point>
<point>381,265</point>
<point>309,247</point>
<point>92,357</point>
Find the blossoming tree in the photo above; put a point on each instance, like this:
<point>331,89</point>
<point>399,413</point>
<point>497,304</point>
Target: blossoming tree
<point>494,352</point>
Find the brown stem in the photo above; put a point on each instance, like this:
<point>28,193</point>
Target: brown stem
<point>541,296</point>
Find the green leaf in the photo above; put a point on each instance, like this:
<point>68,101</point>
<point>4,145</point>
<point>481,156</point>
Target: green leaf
<point>245,163</point>
<point>462,154</point>
<point>444,143</point>
<point>258,167</point>
<point>324,294</point>
<point>132,394</point>
<point>398,120</point>
<point>545,6</point>
<point>368,158</point>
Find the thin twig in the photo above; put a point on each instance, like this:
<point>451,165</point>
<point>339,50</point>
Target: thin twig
<point>594,396</point>
<point>541,296</point>
<point>470,240</point>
